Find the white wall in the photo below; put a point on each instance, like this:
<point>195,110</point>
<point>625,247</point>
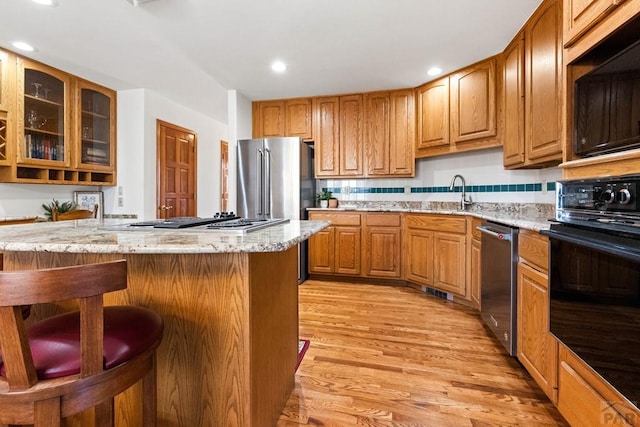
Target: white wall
<point>24,200</point>
<point>138,111</point>
<point>482,167</point>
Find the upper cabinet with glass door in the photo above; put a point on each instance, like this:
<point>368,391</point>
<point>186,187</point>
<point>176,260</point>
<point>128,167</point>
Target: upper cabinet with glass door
<point>96,127</point>
<point>44,115</point>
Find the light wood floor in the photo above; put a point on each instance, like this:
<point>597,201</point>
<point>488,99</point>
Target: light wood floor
<point>392,356</point>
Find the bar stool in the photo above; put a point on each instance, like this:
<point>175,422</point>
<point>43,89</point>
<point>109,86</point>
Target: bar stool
<point>74,361</point>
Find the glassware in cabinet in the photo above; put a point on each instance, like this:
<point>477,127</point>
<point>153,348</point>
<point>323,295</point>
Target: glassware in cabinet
<point>43,114</point>
<point>96,127</point>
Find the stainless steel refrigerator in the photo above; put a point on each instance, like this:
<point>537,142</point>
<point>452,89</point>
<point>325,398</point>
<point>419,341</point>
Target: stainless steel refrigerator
<point>276,180</point>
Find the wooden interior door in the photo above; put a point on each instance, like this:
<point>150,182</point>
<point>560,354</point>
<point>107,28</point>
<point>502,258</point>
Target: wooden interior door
<point>176,170</point>
<point>224,176</point>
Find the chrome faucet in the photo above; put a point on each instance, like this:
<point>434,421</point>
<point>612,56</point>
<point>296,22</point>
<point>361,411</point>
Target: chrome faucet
<point>463,198</point>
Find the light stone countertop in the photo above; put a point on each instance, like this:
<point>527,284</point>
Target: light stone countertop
<point>531,216</point>
<point>94,236</point>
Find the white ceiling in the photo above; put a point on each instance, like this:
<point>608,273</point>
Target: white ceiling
<point>191,49</point>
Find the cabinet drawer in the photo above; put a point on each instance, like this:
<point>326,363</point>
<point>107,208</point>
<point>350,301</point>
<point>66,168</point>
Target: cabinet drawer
<point>337,218</point>
<point>444,223</point>
<point>382,219</point>
<point>585,399</point>
<point>534,248</point>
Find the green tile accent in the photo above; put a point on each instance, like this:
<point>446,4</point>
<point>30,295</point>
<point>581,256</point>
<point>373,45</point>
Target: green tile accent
<point>487,188</point>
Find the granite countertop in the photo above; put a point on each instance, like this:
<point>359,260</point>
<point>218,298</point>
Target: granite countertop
<point>532,216</point>
<point>93,236</point>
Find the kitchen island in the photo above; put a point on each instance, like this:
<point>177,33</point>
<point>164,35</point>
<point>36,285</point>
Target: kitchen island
<point>229,302</point>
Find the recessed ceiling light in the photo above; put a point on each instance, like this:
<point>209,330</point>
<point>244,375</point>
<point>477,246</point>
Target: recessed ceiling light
<point>23,46</point>
<point>138,2</point>
<point>279,66</point>
<point>434,71</point>
<point>46,2</point>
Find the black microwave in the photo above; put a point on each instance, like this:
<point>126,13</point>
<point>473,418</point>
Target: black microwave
<point>607,105</point>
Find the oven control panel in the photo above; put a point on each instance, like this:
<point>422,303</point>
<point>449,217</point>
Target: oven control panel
<point>600,195</point>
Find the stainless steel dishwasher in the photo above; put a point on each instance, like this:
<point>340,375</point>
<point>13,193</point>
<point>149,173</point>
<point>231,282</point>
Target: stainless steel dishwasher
<point>499,262</point>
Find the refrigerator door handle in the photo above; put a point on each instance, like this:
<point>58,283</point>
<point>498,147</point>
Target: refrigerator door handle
<point>260,180</point>
<point>267,183</point>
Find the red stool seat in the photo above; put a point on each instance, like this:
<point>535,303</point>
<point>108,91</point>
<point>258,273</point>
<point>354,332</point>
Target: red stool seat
<point>55,342</point>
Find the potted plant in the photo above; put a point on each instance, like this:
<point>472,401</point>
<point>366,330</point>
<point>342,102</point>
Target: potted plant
<point>323,198</point>
<point>62,207</point>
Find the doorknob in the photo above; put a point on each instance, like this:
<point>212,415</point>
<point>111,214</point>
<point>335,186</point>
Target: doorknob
<point>165,207</point>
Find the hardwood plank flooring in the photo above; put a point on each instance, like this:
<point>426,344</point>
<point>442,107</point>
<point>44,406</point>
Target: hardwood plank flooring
<point>393,356</point>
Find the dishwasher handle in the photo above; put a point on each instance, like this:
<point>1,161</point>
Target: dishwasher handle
<point>498,235</point>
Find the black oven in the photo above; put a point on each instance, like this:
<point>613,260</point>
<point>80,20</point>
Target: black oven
<point>594,277</point>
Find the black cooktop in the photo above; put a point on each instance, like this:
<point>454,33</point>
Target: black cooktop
<point>186,221</point>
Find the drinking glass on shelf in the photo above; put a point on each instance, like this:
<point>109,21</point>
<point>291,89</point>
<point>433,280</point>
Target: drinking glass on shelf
<point>47,93</point>
<point>87,132</point>
<point>32,119</point>
<point>36,89</point>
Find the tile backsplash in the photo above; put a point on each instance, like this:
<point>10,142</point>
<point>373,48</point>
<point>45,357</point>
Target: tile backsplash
<point>485,178</point>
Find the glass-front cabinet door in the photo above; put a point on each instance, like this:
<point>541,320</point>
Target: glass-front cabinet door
<point>44,115</point>
<point>96,126</point>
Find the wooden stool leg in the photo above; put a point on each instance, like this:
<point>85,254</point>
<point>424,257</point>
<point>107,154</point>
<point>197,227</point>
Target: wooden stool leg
<point>149,396</point>
<point>104,414</point>
<point>47,413</point>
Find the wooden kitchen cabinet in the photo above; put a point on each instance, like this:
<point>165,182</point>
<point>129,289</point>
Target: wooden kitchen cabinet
<point>543,84</point>
<point>537,348</point>
<point>390,133</point>
<point>43,125</point>
<point>433,116</point>
<point>326,131</point>
<point>6,97</point>
<point>4,138</point>
<point>435,252</point>
<point>6,104</point>
<point>348,251</point>
<point>355,244</point>
<point>283,117</point>
<point>298,118</point>
<point>418,255</point>
<point>351,135</point>
<point>473,103</point>
<point>581,15</point>
<point>96,131</point>
<point>336,250</point>
<point>382,245</point>
<point>608,33</point>
<point>268,119</point>
<point>584,399</point>
<point>338,130</point>
<point>475,264</point>
<point>44,115</point>
<point>402,133</point>
<point>533,91</point>
<point>514,124</point>
<point>458,112</point>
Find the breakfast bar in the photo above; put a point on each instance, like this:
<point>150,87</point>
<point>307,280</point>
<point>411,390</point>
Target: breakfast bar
<point>229,303</point>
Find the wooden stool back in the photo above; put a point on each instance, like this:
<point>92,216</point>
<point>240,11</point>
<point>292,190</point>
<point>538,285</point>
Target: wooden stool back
<point>26,399</point>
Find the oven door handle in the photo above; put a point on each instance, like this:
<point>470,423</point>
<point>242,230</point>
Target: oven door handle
<point>496,234</point>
